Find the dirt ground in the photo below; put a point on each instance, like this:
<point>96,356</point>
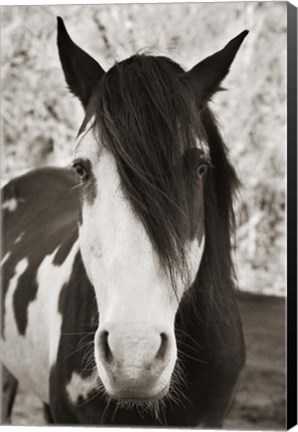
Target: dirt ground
<point>260,401</point>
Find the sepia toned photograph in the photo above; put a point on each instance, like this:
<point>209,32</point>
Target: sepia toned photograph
<point>143,179</point>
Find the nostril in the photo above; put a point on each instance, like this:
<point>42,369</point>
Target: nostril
<point>104,345</point>
<point>161,353</point>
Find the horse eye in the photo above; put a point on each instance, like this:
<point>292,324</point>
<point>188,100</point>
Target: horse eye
<point>81,171</point>
<point>202,170</point>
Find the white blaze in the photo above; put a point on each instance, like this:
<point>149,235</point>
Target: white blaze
<point>134,294</point>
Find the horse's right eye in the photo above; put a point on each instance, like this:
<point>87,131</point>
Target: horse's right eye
<point>81,170</point>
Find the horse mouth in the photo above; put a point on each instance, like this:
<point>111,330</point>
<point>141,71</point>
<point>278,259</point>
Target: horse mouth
<point>130,397</point>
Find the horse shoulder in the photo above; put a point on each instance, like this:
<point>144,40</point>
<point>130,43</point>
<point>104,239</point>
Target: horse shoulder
<point>40,244</point>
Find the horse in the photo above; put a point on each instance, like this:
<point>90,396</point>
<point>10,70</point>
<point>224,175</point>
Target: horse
<point>118,297</point>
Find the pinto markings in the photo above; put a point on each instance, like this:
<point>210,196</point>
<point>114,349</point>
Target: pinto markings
<point>5,258</point>
<point>81,387</point>
<point>40,343</point>
<point>11,352</point>
<point>53,277</point>
<point>10,205</point>
<point>19,238</point>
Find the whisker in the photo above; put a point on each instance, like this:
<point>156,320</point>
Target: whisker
<point>190,337</point>
<point>90,399</point>
<point>77,350</point>
<point>117,406</point>
<point>105,411</point>
<point>190,357</point>
<point>176,395</point>
<point>77,333</point>
<point>80,346</point>
<point>185,344</point>
<point>163,412</point>
<point>79,185</point>
<point>89,360</point>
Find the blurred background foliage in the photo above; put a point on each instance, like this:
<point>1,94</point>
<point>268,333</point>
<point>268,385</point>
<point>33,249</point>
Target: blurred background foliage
<point>40,118</point>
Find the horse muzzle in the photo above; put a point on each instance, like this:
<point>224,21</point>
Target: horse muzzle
<point>135,365</point>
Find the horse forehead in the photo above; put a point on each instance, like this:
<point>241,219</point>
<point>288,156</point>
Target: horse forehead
<point>87,143</point>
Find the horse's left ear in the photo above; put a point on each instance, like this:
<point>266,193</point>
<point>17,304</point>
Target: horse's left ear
<point>81,71</point>
<point>207,75</point>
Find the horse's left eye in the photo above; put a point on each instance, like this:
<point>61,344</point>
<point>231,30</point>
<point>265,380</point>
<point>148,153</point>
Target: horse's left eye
<point>81,171</point>
<point>202,170</point>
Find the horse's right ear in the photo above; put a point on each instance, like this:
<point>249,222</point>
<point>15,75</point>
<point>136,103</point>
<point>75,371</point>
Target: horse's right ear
<point>81,71</point>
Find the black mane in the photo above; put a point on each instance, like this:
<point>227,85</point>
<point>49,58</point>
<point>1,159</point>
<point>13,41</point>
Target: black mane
<point>146,114</point>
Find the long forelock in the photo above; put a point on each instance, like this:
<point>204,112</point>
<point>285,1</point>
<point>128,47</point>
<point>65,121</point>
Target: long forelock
<point>145,114</point>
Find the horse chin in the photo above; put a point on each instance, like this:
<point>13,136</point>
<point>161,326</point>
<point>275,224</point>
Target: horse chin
<point>130,398</point>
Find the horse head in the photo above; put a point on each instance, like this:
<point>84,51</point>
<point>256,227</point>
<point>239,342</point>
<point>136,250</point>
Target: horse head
<point>142,157</point>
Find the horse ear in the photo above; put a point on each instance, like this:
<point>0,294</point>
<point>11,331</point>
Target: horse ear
<point>81,71</point>
<point>207,75</point>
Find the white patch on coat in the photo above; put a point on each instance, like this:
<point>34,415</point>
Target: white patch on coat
<point>11,353</point>
<point>10,204</point>
<point>54,277</point>
<point>81,387</point>
<point>30,357</point>
<point>19,238</point>
<point>5,258</point>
